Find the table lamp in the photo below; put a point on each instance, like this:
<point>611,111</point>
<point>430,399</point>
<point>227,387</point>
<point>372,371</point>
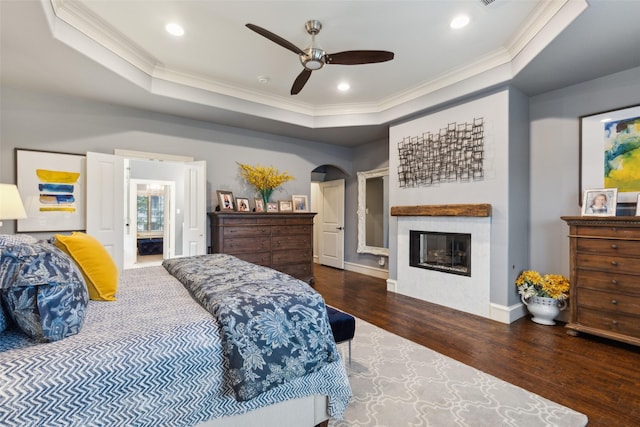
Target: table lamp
<point>10,203</point>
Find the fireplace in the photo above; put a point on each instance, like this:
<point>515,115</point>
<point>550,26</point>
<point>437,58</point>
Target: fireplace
<point>446,252</point>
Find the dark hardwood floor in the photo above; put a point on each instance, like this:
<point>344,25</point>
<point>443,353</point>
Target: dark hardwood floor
<point>597,377</point>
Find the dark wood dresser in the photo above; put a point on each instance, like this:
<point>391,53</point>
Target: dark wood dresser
<point>282,241</point>
<point>605,277</point>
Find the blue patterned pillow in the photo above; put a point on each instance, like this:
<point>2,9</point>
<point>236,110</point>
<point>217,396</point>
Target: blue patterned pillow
<point>3,319</point>
<point>15,239</point>
<point>43,290</point>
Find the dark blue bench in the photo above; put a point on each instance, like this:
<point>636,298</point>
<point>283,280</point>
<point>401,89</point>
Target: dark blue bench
<point>150,246</point>
<point>343,326</point>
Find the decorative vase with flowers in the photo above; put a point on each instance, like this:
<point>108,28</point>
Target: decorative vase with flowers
<point>264,179</point>
<point>545,296</point>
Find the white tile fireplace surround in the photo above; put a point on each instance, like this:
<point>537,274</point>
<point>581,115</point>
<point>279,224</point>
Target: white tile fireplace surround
<point>468,294</point>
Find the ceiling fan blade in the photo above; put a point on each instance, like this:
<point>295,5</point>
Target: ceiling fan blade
<point>356,57</point>
<point>276,39</point>
<point>300,81</point>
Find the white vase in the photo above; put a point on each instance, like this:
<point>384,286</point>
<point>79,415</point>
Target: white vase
<point>543,309</point>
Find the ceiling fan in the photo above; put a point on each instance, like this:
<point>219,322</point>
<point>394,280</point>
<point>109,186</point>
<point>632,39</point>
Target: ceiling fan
<point>314,58</point>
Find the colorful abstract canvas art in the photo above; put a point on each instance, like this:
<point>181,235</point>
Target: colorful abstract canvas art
<point>52,187</point>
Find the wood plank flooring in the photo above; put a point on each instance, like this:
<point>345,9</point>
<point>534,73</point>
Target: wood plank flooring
<point>598,377</point>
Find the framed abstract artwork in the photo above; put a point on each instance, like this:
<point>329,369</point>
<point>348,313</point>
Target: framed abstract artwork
<point>610,152</point>
<point>52,187</point>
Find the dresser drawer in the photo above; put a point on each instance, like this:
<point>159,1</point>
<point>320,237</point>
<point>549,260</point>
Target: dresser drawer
<point>614,302</point>
<point>285,257</point>
<point>246,244</point>
<point>610,232</point>
<point>607,263</point>
<point>613,282</point>
<point>288,230</point>
<point>260,258</point>
<point>609,247</point>
<point>258,230</point>
<point>291,242</point>
<point>609,321</point>
<point>299,271</point>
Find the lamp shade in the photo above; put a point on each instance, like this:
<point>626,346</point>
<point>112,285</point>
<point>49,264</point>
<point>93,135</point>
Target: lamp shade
<point>10,203</point>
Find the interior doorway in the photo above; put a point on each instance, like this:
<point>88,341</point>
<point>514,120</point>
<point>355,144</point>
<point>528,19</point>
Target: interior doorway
<point>328,201</point>
<point>150,231</point>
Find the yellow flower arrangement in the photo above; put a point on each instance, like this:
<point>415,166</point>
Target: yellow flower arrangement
<point>531,283</point>
<point>265,179</point>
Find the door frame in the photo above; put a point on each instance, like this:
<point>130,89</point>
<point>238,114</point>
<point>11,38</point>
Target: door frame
<point>338,262</point>
<point>169,229</point>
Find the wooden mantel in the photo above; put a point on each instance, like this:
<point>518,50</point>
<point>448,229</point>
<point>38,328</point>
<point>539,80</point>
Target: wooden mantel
<point>478,210</point>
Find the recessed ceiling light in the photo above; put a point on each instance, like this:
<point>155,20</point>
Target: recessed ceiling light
<point>174,29</point>
<point>459,22</point>
<point>263,79</point>
<point>343,87</point>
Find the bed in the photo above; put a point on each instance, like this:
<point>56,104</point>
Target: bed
<point>157,356</point>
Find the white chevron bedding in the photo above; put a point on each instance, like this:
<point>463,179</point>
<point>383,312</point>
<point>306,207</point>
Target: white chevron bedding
<point>151,358</point>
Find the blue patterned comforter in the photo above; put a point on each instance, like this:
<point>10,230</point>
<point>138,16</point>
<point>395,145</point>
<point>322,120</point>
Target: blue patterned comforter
<point>152,358</point>
<point>274,327</point>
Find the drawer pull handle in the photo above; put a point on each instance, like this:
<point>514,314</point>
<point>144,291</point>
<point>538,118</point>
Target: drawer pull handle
<point>614,246</point>
<point>614,302</point>
<point>615,322</point>
<point>614,282</point>
<point>614,262</point>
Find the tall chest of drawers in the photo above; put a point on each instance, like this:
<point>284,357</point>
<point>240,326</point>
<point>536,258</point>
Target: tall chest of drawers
<point>605,277</point>
<point>282,241</point>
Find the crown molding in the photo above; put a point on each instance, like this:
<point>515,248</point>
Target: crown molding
<point>118,51</point>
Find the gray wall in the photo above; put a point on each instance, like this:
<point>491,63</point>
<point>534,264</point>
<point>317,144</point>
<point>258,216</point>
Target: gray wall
<point>554,159</point>
<point>32,120</point>
<point>39,121</point>
<point>366,157</point>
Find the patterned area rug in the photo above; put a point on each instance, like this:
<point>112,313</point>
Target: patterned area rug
<point>397,383</point>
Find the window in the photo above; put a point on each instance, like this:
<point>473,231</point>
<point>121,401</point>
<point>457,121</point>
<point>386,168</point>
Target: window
<point>150,208</point>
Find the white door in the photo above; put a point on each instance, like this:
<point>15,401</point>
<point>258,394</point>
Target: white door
<point>195,218</point>
<point>105,204</point>
<point>169,237</point>
<point>332,223</point>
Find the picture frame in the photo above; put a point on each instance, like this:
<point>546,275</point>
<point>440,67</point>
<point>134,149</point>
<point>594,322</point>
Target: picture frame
<point>272,207</point>
<point>638,206</point>
<point>606,161</point>
<point>300,203</point>
<point>52,186</point>
<point>600,202</point>
<point>259,203</point>
<point>242,204</point>
<point>285,206</point>
<point>226,202</point>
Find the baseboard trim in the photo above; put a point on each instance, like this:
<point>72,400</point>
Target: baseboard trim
<point>369,271</point>
<point>507,314</point>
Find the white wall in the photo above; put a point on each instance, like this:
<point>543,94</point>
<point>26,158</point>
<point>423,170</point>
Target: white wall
<point>504,187</point>
<point>555,151</point>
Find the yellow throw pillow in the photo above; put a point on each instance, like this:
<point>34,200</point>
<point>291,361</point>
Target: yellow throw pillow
<point>95,263</point>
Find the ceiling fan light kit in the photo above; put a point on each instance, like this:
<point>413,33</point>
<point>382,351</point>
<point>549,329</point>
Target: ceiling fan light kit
<point>314,58</point>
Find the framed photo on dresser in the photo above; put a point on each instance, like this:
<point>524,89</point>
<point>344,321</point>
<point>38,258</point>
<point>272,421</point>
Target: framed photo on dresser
<point>226,200</point>
<point>242,204</point>
<point>600,202</point>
